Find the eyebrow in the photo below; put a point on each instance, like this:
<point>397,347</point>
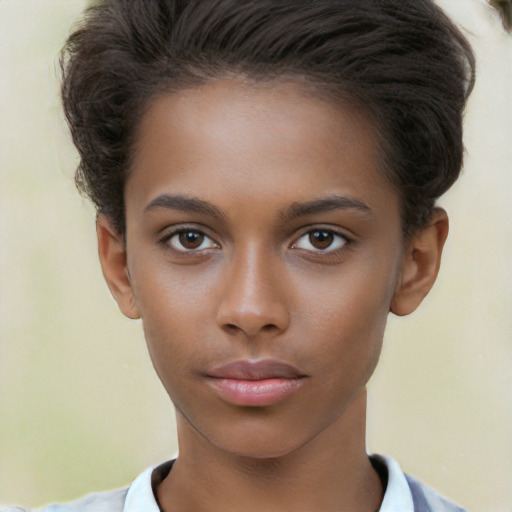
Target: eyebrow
<point>296,210</point>
<point>185,204</point>
<point>323,205</point>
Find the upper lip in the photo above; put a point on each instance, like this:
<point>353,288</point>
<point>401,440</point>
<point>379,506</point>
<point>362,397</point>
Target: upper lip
<point>256,370</point>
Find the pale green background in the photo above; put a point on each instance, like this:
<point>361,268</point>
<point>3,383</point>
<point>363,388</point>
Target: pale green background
<point>80,408</point>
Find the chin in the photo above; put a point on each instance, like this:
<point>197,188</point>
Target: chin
<point>261,443</point>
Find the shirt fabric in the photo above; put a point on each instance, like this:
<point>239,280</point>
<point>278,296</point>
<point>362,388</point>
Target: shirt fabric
<point>403,494</point>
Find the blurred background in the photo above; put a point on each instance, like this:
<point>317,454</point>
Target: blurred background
<point>80,407</point>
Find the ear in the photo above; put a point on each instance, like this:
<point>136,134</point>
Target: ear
<point>420,266</point>
<point>112,255</point>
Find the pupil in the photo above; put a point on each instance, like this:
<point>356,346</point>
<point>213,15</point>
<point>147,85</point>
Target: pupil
<point>191,239</point>
<point>321,239</point>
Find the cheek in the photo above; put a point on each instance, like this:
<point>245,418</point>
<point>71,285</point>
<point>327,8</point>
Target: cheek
<point>347,316</point>
<point>167,305</point>
<point>178,312</point>
<point>350,301</point>
<point>164,294</point>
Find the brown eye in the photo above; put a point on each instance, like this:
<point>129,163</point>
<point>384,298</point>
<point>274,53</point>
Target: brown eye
<point>321,239</point>
<point>190,239</point>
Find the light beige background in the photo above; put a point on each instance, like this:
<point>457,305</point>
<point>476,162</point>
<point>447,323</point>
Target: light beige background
<point>80,408</point>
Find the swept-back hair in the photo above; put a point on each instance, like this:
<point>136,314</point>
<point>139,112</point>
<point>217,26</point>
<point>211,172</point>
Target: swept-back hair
<point>401,62</point>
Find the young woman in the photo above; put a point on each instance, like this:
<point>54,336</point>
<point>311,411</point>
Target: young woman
<point>266,174</point>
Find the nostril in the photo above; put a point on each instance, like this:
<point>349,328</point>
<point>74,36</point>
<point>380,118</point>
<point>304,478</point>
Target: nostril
<point>264,328</point>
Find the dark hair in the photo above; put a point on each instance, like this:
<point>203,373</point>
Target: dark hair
<point>402,61</point>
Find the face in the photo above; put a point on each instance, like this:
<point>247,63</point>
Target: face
<point>263,251</point>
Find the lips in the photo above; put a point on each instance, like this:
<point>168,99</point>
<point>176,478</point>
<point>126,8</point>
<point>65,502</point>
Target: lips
<point>255,383</point>
<point>256,370</point>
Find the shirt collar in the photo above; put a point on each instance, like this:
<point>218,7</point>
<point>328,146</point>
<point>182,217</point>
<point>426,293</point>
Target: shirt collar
<point>396,497</point>
<point>140,494</point>
<point>398,494</point>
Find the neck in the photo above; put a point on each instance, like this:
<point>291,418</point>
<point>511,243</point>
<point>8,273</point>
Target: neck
<point>330,472</point>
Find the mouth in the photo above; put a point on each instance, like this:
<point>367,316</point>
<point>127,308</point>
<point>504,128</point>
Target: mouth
<point>255,383</point>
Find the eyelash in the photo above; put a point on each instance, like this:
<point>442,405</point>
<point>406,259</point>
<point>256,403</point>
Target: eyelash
<point>340,241</point>
<point>168,238</point>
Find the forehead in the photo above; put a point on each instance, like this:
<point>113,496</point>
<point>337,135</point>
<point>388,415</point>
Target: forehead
<point>230,139</point>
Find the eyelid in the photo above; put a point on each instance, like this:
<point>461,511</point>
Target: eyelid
<point>334,231</point>
<point>172,231</point>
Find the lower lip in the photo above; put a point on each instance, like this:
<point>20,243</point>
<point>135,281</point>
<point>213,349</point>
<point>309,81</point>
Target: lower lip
<point>256,392</point>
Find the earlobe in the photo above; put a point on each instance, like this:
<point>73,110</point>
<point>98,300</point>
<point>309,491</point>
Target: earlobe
<point>112,254</point>
<point>420,266</point>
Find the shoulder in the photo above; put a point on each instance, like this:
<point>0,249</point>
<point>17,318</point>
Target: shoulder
<point>138,497</point>
<point>406,494</point>
<point>426,499</point>
<point>110,501</point>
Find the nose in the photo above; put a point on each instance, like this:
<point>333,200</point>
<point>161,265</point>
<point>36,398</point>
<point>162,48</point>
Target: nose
<point>252,300</point>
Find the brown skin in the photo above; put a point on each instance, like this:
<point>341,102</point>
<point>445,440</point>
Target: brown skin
<point>253,283</point>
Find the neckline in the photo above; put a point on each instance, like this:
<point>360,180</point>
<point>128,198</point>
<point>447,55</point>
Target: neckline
<point>162,471</point>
